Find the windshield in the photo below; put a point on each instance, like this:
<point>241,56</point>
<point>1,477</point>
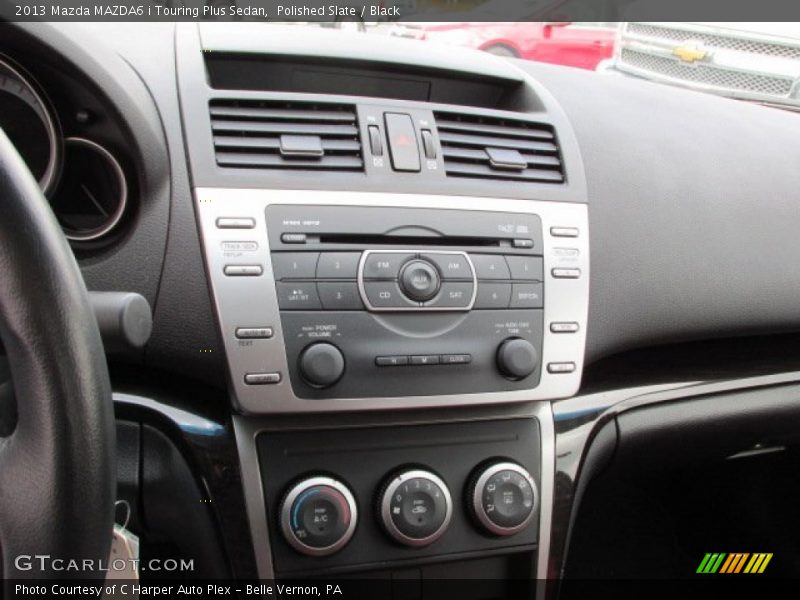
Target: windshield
<point>757,62</point>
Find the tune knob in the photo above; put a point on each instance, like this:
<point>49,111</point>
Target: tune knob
<point>517,358</point>
<point>318,516</point>
<point>322,364</point>
<point>502,497</point>
<point>415,507</point>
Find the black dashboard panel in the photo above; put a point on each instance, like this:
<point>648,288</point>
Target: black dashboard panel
<point>693,207</point>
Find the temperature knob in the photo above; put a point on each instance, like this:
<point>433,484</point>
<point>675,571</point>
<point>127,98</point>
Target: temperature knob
<point>415,507</point>
<point>502,497</point>
<point>318,516</point>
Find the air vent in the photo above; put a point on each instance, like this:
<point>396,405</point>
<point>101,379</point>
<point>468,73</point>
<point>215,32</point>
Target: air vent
<point>474,146</point>
<point>285,135</point>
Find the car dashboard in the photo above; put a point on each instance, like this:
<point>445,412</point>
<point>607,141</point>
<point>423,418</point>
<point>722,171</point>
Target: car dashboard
<point>426,295</point>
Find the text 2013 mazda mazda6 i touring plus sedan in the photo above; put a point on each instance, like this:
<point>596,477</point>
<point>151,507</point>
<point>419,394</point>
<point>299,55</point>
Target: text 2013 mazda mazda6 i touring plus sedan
<point>316,310</point>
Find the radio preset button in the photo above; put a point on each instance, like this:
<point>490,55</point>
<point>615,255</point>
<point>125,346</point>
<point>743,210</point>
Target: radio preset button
<point>338,265</point>
<point>526,295</point>
<point>493,295</point>
<point>386,294</point>
<point>451,266</point>
<point>294,265</point>
<point>385,265</point>
<point>490,266</point>
<point>452,295</point>
<point>527,268</point>
<point>335,295</point>
<point>297,295</point>
<point>419,280</point>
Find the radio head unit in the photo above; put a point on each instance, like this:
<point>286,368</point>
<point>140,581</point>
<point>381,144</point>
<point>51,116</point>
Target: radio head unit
<point>329,303</point>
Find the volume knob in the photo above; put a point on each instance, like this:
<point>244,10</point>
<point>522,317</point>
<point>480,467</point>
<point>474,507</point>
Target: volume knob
<point>322,364</point>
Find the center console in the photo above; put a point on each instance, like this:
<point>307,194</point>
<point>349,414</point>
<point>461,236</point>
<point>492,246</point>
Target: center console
<point>398,256</point>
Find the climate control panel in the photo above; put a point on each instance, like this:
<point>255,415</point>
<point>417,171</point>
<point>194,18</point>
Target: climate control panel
<point>360,497</point>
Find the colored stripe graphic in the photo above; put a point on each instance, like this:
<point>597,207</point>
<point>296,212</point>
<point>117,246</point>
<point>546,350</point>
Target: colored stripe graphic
<point>710,562</point>
<point>720,562</point>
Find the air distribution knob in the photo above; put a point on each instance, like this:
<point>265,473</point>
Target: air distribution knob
<point>415,507</point>
<point>517,358</point>
<point>322,364</point>
<point>502,497</point>
<point>318,516</point>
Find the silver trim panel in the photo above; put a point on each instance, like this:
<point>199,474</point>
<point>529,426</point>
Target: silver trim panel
<point>241,301</point>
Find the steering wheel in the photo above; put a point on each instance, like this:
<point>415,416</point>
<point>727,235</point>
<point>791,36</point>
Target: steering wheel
<point>57,466</point>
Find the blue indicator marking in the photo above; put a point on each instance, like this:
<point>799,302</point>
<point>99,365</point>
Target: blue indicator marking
<point>299,502</point>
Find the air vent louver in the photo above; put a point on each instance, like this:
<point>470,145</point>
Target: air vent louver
<point>488,147</point>
<point>258,134</point>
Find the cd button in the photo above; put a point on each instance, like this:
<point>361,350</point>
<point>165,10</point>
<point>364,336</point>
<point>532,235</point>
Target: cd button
<point>386,294</point>
<point>385,265</point>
